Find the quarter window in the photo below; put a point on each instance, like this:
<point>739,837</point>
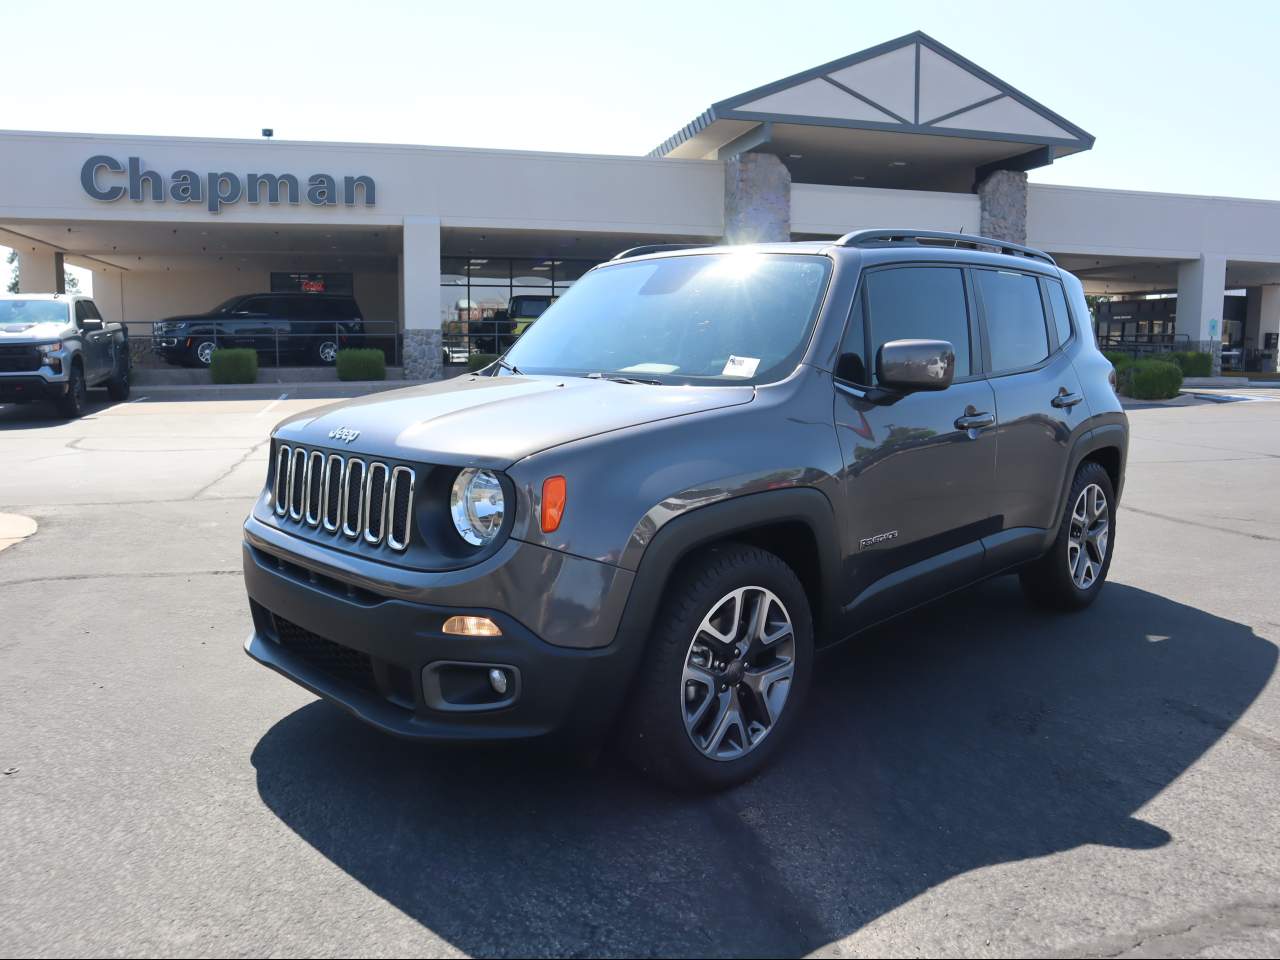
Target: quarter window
<point>920,303</point>
<point>1058,305</point>
<point>852,365</point>
<point>1015,319</point>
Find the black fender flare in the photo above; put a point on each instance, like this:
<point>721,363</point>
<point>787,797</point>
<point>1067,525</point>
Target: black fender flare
<point>722,520</point>
<point>1113,434</point>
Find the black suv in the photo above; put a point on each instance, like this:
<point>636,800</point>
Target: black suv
<point>697,467</point>
<point>294,328</point>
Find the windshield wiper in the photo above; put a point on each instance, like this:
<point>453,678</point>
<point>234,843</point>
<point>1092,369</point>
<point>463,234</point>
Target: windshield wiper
<point>616,378</point>
<point>508,366</point>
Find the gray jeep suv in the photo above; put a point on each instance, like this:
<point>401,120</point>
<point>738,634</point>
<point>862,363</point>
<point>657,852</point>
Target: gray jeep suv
<point>699,467</point>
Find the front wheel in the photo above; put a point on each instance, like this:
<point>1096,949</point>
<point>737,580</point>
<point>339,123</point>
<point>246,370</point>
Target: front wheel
<point>1071,574</point>
<point>203,352</point>
<point>726,671</point>
<point>71,404</point>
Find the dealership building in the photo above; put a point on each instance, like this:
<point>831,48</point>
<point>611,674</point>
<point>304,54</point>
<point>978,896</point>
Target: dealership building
<point>905,134</point>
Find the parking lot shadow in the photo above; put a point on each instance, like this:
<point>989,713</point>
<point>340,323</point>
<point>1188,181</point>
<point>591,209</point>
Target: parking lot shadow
<point>978,731</point>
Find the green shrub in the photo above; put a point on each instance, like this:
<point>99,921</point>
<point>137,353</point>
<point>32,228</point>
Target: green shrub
<point>239,365</point>
<point>367,363</point>
<point>1118,360</point>
<point>478,361</point>
<point>1152,380</point>
<point>1193,363</point>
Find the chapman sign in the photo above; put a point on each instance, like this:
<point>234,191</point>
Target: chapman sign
<point>107,179</point>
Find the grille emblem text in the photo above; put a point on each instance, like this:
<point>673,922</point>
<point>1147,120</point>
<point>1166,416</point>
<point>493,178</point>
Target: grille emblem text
<point>345,434</point>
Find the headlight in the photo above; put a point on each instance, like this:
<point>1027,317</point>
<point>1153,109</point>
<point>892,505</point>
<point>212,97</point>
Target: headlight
<point>477,505</point>
<point>48,348</point>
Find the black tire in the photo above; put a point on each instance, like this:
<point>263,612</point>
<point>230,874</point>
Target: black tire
<point>118,385</point>
<point>1050,581</point>
<point>71,404</point>
<point>653,725</point>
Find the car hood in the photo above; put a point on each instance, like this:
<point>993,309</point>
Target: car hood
<point>32,332</point>
<point>495,421</point>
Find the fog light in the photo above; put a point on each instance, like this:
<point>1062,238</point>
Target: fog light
<point>472,627</point>
<point>498,680</point>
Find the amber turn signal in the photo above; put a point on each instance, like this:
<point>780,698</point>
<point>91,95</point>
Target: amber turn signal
<point>553,501</point>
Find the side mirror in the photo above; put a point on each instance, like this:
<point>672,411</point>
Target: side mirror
<point>910,365</point>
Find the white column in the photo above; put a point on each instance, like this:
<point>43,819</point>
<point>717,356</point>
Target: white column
<point>38,271</point>
<point>1201,288</point>
<point>420,298</point>
<point>1269,323</point>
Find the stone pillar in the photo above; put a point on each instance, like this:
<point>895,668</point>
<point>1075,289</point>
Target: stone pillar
<point>757,199</point>
<point>420,299</point>
<point>1268,324</point>
<point>1003,197</point>
<point>40,271</point>
<point>1201,289</point>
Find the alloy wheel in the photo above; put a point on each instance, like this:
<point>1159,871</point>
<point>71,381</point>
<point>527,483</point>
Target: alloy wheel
<point>328,351</point>
<point>738,673</point>
<point>204,353</point>
<point>1087,536</point>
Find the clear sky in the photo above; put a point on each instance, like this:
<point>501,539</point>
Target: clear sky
<point>1181,96</point>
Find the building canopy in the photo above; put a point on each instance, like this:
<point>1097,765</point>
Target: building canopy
<point>910,113</point>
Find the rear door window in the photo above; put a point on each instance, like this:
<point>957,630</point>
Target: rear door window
<point>1014,313</point>
<point>920,303</point>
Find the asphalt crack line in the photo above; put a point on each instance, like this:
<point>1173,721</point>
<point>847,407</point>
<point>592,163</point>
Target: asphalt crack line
<point>230,470</point>
<point>58,578</point>
<point>1203,526</point>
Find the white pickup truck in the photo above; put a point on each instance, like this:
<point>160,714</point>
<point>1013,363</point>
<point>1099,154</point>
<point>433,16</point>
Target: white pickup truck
<point>55,346</point>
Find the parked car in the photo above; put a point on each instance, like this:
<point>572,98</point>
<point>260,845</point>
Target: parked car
<point>55,346</point>
<point>298,328</point>
<point>695,469</point>
<point>505,327</point>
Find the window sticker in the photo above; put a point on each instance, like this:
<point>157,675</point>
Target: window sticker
<point>740,366</point>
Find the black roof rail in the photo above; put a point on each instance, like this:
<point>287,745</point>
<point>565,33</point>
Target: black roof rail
<point>655,248</point>
<point>866,238</point>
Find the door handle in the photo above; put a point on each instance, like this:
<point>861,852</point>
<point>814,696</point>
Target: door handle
<point>975,421</point>
<point>1064,400</point>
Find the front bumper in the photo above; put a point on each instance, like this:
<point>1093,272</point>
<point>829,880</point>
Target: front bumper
<point>380,657</point>
<point>30,386</point>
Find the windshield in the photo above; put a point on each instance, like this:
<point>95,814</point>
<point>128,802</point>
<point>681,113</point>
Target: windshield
<point>704,318</point>
<point>32,311</point>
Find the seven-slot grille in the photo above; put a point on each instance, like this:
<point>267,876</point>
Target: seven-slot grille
<point>364,500</point>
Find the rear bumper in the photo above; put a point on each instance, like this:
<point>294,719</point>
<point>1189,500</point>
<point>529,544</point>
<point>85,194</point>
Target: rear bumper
<point>30,387</point>
<point>382,659</point>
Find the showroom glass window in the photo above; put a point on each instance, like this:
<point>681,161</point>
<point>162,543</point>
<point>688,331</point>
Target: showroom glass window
<point>476,292</point>
<point>1015,318</point>
<point>919,303</point>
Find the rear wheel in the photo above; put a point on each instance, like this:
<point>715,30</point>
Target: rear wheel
<point>326,351</point>
<point>71,404</point>
<point>1071,574</point>
<point>726,671</point>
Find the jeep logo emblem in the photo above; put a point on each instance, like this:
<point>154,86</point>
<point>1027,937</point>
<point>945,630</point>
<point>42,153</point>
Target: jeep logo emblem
<point>345,434</point>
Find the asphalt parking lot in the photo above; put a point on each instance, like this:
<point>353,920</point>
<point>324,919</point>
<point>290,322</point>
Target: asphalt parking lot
<point>979,778</point>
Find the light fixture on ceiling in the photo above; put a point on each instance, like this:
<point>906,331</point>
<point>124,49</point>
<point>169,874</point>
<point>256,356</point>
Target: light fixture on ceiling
<point>795,156</point>
<point>897,163</point>
<point>478,261</point>
<point>857,176</point>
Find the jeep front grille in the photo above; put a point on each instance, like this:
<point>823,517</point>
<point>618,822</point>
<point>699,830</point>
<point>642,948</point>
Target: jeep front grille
<point>360,500</point>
